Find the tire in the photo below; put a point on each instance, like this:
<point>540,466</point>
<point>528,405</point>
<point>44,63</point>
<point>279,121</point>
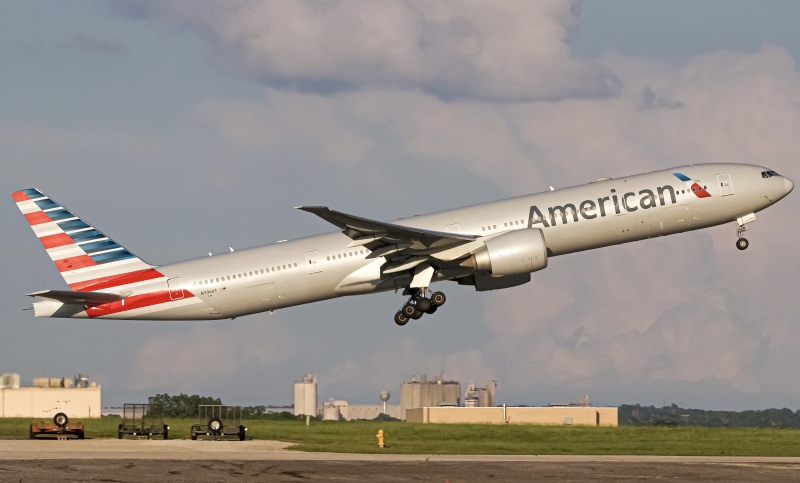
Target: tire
<point>433,309</point>
<point>119,431</point>
<point>742,243</point>
<point>400,318</point>
<point>81,435</point>
<point>60,420</point>
<point>438,299</point>
<point>166,432</point>
<point>409,310</point>
<point>194,436</point>
<point>215,426</point>
<point>424,304</point>
<point>32,435</point>
<point>242,433</point>
<point>417,314</point>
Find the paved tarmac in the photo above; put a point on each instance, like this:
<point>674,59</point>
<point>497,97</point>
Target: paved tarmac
<point>186,460</point>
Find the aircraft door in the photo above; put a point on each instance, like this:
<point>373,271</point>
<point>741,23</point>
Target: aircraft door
<point>175,288</point>
<point>725,185</point>
<point>312,258</point>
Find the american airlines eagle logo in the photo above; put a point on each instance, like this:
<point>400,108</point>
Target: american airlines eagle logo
<point>693,185</point>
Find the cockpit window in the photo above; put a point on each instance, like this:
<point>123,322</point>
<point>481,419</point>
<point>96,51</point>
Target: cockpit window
<point>768,174</point>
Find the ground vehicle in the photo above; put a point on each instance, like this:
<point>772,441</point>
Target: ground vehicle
<point>60,427</point>
<point>145,420</point>
<point>219,421</point>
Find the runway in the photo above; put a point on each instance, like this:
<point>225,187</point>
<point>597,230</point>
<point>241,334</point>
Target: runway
<point>186,460</point>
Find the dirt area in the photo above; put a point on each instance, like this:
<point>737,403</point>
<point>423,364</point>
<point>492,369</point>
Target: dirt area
<point>121,470</point>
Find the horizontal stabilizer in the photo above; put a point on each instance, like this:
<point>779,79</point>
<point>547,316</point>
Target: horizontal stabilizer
<point>77,298</point>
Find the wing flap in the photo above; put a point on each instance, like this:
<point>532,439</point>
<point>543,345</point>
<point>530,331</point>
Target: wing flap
<point>410,241</point>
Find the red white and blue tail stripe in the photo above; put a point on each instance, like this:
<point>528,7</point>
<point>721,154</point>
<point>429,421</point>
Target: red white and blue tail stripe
<point>105,278</point>
<point>86,258</point>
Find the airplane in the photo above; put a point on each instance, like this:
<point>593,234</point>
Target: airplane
<point>490,246</point>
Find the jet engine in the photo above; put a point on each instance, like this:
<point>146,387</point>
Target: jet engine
<point>513,253</point>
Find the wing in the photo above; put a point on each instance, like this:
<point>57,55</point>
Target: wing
<point>77,298</point>
<point>404,247</point>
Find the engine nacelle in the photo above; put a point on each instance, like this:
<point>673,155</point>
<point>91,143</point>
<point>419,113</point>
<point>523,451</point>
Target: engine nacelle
<point>513,253</point>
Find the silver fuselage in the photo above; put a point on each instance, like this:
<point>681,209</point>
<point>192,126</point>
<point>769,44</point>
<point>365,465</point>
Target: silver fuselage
<point>584,217</point>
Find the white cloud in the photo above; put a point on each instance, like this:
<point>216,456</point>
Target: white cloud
<point>208,356</point>
<point>450,48</point>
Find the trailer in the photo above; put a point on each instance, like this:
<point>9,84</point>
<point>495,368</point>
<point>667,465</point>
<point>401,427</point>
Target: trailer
<point>219,421</point>
<point>143,421</point>
<point>60,427</point>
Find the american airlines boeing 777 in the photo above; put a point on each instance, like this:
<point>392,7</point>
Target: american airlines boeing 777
<point>489,246</point>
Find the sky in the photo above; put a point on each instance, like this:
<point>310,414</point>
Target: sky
<point>181,128</point>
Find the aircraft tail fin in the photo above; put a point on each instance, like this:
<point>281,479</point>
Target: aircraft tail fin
<point>87,259</point>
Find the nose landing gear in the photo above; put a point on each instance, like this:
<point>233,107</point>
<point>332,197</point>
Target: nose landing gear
<point>419,305</point>
<point>741,227</point>
<point>742,243</point>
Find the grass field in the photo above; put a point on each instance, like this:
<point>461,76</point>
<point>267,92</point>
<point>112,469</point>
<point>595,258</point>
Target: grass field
<point>359,437</point>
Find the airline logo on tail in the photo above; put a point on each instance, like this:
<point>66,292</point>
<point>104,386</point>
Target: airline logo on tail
<point>693,185</point>
<point>85,257</point>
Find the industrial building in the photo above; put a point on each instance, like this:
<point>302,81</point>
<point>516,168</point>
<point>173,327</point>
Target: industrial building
<point>305,396</point>
<point>551,415</point>
<point>342,411</point>
<point>423,393</point>
<point>75,397</point>
<point>438,400</point>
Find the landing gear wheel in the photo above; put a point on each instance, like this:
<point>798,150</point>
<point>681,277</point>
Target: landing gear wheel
<point>438,299</point>
<point>60,419</point>
<point>417,314</point>
<point>742,243</point>
<point>400,318</point>
<point>409,310</point>
<point>432,309</point>
<point>424,304</point>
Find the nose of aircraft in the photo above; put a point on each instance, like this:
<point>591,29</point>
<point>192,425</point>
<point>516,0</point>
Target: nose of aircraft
<point>788,184</point>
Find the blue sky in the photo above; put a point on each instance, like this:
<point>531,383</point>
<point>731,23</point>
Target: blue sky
<point>182,128</point>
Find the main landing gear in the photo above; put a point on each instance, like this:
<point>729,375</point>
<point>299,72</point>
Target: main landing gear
<point>418,305</point>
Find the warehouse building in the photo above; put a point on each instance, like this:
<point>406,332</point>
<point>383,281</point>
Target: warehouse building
<point>551,415</point>
<point>75,397</point>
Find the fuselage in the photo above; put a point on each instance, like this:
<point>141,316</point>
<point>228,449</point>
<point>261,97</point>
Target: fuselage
<point>598,214</point>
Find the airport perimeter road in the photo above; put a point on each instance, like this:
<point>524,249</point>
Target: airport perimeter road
<point>185,460</point>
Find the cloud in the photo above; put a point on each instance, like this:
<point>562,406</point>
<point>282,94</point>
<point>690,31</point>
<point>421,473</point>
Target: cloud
<point>210,356</point>
<point>400,360</point>
<point>452,49</point>
<point>83,42</point>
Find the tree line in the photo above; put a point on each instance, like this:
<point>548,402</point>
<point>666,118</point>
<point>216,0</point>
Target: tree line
<point>673,415</point>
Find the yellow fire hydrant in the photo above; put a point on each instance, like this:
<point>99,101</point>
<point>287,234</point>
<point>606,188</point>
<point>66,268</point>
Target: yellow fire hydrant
<point>380,438</point>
